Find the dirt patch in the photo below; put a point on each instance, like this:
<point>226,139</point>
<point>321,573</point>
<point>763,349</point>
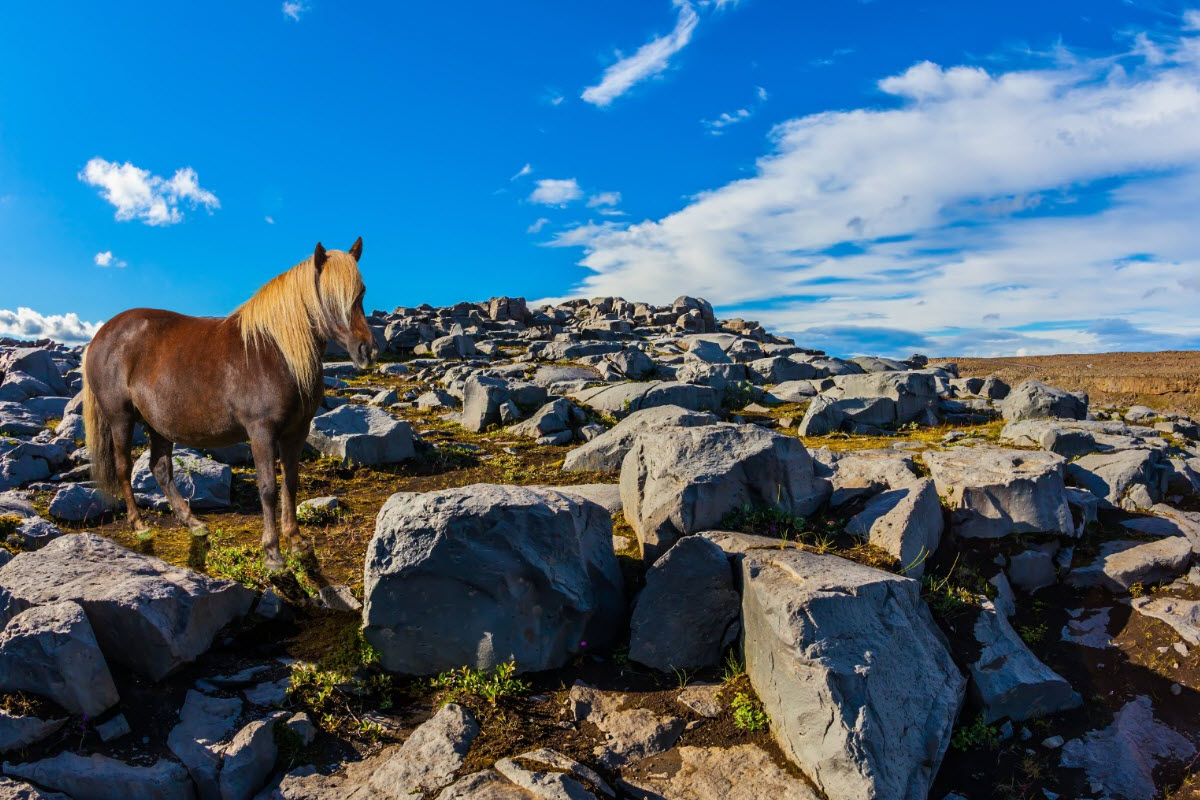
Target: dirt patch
<point>1167,380</point>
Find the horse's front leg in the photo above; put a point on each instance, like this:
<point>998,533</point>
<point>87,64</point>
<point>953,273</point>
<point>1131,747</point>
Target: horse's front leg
<point>262,446</point>
<point>289,464</point>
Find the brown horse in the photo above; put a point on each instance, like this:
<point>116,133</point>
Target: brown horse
<point>208,382</point>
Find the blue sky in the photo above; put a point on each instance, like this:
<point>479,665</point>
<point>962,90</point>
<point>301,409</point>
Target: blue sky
<point>870,177</point>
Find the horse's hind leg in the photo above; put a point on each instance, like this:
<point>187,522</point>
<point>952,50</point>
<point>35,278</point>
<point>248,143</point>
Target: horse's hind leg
<point>164,473</point>
<point>122,434</point>
<point>262,446</point>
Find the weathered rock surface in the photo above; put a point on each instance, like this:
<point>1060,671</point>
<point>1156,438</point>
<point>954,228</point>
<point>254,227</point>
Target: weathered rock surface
<point>686,480</point>
<point>1119,760</point>
<point>1035,400</point>
<point>854,674</point>
<point>742,772</point>
<point>905,522</point>
<point>51,651</point>
<point>622,399</point>
<point>204,721</point>
<point>15,790</point>
<point>606,452</point>
<point>631,733</point>
<point>993,492</point>
<point>687,614</point>
<point>1129,479</point>
<point>1007,680</point>
<point>102,778</point>
<point>19,732</point>
<point>429,757</point>
<point>1122,564</point>
<point>482,575</point>
<point>146,614</point>
<point>362,435</point>
<point>1181,614</point>
<point>864,473</point>
<point>76,503</point>
<point>249,760</point>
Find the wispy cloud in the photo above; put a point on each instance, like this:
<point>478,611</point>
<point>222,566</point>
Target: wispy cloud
<point>137,194</point>
<point>604,199</point>
<point>718,125</point>
<point>25,323</point>
<point>269,219</point>
<point>651,59</point>
<point>556,192</point>
<point>107,259</point>
<point>537,225</point>
<point>1038,210</point>
<point>292,9</point>
<point>522,172</point>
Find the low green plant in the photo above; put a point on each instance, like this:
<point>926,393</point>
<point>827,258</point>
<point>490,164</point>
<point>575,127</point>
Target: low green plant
<point>734,667</point>
<point>975,736</point>
<point>9,525</point>
<point>317,515</point>
<point>765,520</point>
<point>748,714</point>
<point>1032,634</point>
<point>491,685</point>
<point>1136,589</point>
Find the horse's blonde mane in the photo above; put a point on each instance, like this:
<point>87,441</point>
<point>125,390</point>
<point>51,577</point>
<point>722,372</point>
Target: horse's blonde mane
<point>291,312</point>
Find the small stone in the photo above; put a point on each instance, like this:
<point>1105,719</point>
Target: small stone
<point>1176,689</point>
<point>1053,742</point>
<point>114,729</point>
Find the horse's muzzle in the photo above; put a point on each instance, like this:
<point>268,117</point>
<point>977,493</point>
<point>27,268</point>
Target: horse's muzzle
<point>363,355</point>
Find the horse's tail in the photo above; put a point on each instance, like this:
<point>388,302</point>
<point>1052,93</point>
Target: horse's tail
<point>100,444</point>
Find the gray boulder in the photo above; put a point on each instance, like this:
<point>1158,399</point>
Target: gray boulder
<point>607,451</point>
<point>994,492</point>
<point>78,503</point>
<point>17,420</point>
<point>860,688</point>
<point>1007,680</point>
<point>51,651</point>
<point>204,721</point>
<point>630,734</point>
<point>203,482</point>
<point>1129,479</point>
<point>914,394</point>
<point>1035,400</point>
<point>686,480</point>
<point>102,778</point>
<point>362,435</point>
<point>740,772</point>
<point>687,614</point>
<point>1119,761</point>
<point>17,733</point>
<point>906,522</point>
<point>429,757</point>
<point>862,474</point>
<point>482,575</point>
<point>249,759</point>
<point>1122,564</point>
<point>146,614</point>
<point>822,417</point>
<point>622,399</point>
<point>485,396</point>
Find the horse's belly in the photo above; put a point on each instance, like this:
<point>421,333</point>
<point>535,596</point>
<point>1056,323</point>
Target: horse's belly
<point>193,425</point>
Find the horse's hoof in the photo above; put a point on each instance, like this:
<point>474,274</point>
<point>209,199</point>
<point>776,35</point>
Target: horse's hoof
<point>200,531</point>
<point>274,562</point>
<point>145,534</point>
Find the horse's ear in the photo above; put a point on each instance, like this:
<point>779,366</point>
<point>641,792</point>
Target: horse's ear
<point>319,258</point>
<point>356,249</point>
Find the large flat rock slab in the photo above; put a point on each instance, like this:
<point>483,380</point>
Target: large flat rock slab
<point>147,614</point>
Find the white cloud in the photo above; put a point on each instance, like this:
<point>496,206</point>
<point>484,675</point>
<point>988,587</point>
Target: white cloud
<point>106,259</point>
<point>25,323</point>
<point>761,94</point>
<point>137,194</point>
<point>987,213</point>
<point>292,9</point>
<point>555,192</point>
<point>604,199</point>
<point>1191,19</point>
<point>537,226</point>
<point>650,59</point>
<point>522,172</point>
<point>269,219</point>
<point>718,125</point>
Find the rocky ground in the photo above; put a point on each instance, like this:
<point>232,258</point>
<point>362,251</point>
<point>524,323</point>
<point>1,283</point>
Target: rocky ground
<point>608,549</point>
<point>1167,381</point>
